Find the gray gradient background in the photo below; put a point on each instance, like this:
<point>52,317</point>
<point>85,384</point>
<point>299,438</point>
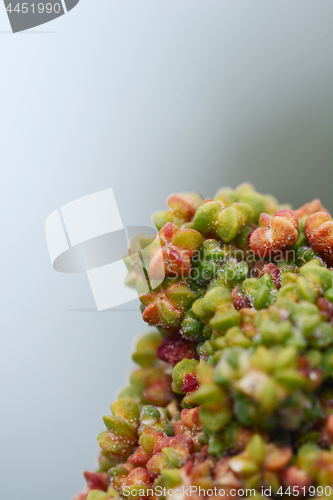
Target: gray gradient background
<point>146,97</point>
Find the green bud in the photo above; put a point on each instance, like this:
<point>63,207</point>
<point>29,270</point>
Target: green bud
<point>171,477</point>
<point>148,439</point>
<point>203,438</point>
<point>315,357</point>
<point>161,218</point>
<point>246,411</point>
<point>192,327</point>
<point>242,271</point>
<point>205,373</point>
<point>257,449</point>
<point>230,273</point>
<point>305,254</point>
<point>169,429</point>
<point>268,396</point>
<point>307,456</point>
<point>198,309</point>
<point>132,393</point>
<point>105,462</point>
<point>214,299</point>
<point>241,240</point>
<point>188,240</point>
<point>233,337</point>
<point>322,336</point>
<point>210,250</point>
<point>245,212</point>
<point>145,352</point>
<point>216,446</point>
<point>304,308</point>
<point>273,332</point>
<point>290,379</point>
<point>187,401</point>
<point>206,348</point>
<point>267,280</point>
<point>119,426</point>
<point>329,294</point>
<point>117,472</point>
<point>181,295</point>
<point>243,466</point>
<point>218,342</point>
<point>150,413</point>
<point>207,332</point>
<point>214,358</point>
<point>256,202</point>
<point>288,291</point>
<point>172,457</point>
<point>250,286</point>
<point>128,409</point>
<point>170,317</point>
<point>180,371</point>
<point>228,224</point>
<point>305,290</point>
<point>285,266</point>
<point>232,356</point>
<point>223,320</point>
<point>264,359</point>
<point>298,342</point>
<point>113,493</point>
<point>216,419</point>
<point>253,482</point>
<point>262,298</point>
<point>285,358</point>
<point>111,443</point>
<point>317,274</point>
<point>308,324</point>
<point>204,270</point>
<point>208,394</point>
<point>288,278</point>
<point>226,196</point>
<point>312,262</point>
<point>206,216</point>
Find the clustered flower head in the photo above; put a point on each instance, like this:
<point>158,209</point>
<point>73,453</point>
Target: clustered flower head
<point>234,389</point>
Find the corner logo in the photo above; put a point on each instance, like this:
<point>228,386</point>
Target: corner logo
<point>87,235</point>
<point>25,15</point>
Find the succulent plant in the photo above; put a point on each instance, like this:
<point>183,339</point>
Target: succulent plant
<point>234,390</point>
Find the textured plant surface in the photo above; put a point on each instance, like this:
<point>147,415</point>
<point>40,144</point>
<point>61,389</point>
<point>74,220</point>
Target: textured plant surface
<point>234,388</point>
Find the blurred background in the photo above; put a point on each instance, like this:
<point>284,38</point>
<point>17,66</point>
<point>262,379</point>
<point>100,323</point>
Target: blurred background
<point>148,98</point>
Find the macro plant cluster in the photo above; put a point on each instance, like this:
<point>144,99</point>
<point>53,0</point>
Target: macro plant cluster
<point>234,386</point>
